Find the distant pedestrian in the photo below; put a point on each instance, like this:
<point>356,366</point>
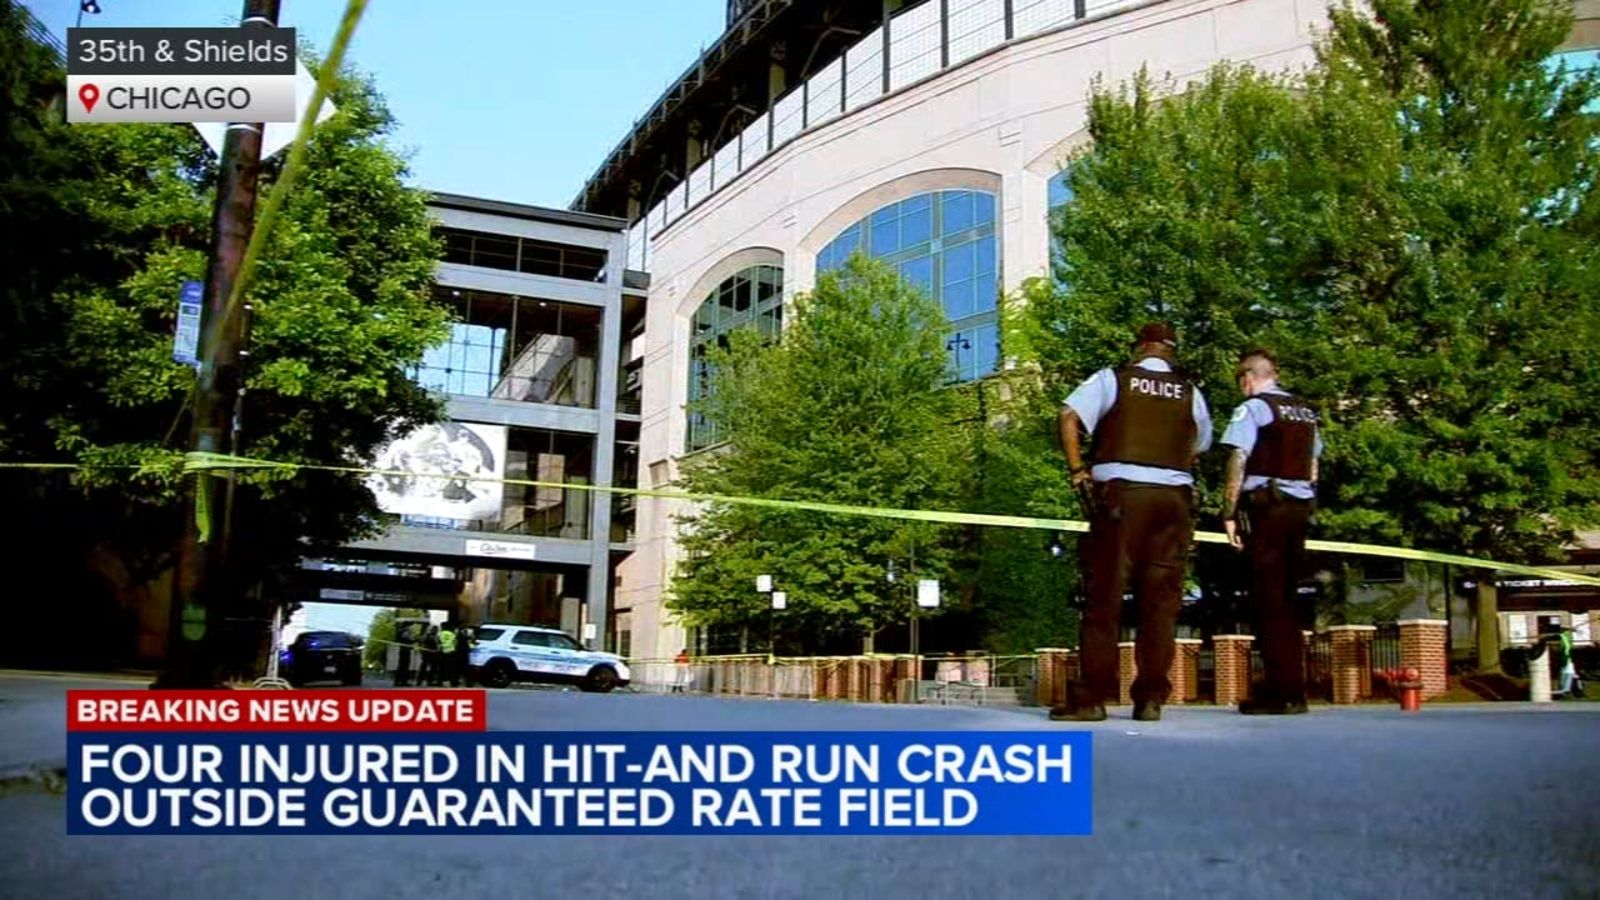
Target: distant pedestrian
<point>1571,685</point>
<point>430,658</point>
<point>681,679</point>
<point>461,665</point>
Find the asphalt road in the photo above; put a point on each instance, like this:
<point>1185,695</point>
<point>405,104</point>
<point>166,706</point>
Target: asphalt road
<point>1457,801</point>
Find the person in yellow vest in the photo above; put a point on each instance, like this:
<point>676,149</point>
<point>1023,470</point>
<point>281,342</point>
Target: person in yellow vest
<point>447,656</point>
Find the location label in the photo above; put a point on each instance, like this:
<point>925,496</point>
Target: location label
<point>88,94</point>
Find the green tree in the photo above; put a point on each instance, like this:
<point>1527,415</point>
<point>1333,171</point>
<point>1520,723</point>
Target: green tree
<point>1412,225</point>
<point>380,635</point>
<point>341,308</point>
<point>1023,592</point>
<point>849,406</point>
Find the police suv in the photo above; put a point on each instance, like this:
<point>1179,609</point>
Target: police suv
<point>507,653</point>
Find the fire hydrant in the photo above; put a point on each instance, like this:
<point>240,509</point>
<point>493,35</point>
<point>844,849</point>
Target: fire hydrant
<point>1407,684</point>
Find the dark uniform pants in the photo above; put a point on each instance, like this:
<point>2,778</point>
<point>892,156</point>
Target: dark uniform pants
<point>1276,548</point>
<point>1139,539</point>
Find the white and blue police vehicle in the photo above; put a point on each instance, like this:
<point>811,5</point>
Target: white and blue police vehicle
<point>503,654</point>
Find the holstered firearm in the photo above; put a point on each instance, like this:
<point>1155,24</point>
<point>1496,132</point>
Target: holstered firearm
<point>1242,519</point>
<point>1085,491</point>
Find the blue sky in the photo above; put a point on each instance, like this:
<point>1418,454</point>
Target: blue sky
<point>515,100</point>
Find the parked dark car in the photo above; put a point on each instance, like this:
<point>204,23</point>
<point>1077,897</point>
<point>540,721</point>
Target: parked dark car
<point>322,656</point>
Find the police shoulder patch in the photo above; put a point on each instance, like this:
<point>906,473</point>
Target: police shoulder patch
<point>1239,412</point>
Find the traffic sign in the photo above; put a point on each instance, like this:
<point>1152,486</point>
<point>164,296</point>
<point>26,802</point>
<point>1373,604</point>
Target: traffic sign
<point>186,336</point>
<point>278,135</point>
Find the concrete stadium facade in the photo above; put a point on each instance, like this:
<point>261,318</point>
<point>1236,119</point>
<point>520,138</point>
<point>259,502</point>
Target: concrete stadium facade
<point>992,116</point>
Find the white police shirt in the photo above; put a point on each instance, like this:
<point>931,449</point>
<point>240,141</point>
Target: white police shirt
<point>1095,397</point>
<point>1248,419</point>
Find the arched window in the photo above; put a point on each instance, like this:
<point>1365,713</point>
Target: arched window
<point>1060,195</point>
<point>752,297</point>
<point>944,242</point>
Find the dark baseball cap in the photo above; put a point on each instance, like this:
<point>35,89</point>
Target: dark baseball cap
<point>1158,333</point>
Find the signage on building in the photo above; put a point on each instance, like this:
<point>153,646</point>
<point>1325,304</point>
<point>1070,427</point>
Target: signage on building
<point>500,549</point>
<point>449,470</point>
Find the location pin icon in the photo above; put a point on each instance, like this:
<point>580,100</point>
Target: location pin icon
<point>89,94</point>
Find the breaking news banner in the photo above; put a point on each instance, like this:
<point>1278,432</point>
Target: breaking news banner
<point>417,762</point>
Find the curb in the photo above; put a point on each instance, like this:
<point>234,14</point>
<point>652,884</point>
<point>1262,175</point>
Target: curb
<point>125,677</point>
<point>50,776</point>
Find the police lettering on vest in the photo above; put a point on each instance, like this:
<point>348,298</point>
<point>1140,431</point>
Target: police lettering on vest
<point>1151,423</point>
<point>1153,387</point>
<point>1285,446</point>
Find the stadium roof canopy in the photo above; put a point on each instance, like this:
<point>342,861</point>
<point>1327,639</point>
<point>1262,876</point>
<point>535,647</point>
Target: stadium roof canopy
<point>769,47</point>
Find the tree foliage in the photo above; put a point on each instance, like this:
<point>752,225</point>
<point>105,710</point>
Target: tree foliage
<point>1411,225</point>
<point>109,222</point>
<point>848,406</point>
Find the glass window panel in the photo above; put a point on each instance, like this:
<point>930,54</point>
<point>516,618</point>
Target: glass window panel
<point>457,246</point>
<point>960,263</point>
<point>916,227</point>
<point>985,294</point>
<point>919,272</point>
<point>886,214</point>
<point>958,300</point>
<point>494,252</point>
<point>983,208</point>
<point>986,255</point>
<point>1060,191</point>
<point>956,211</point>
<point>885,236</point>
<point>987,349</point>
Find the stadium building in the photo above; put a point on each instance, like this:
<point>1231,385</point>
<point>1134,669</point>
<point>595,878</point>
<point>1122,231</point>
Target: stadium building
<point>930,134</point>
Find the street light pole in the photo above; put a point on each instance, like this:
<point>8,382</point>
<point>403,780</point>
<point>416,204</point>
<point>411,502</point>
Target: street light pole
<point>203,589</point>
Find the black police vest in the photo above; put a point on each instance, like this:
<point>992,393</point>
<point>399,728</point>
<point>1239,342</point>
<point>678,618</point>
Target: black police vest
<point>1151,423</point>
<point>1284,447</point>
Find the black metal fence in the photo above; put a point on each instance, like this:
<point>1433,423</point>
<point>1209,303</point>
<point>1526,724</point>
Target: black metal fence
<point>1319,667</point>
<point>1386,647</point>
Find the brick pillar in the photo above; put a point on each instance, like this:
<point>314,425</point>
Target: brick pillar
<point>1423,644</point>
<point>1185,674</point>
<point>1050,685</point>
<point>1232,667</point>
<point>1127,671</point>
<point>1352,662</point>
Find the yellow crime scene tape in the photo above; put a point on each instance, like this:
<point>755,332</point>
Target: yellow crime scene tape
<point>214,463</point>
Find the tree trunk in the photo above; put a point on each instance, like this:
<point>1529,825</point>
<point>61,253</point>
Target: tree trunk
<point>1488,622</point>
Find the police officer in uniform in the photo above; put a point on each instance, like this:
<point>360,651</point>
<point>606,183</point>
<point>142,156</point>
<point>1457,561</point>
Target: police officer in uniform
<point>1149,422</point>
<point>1267,506</point>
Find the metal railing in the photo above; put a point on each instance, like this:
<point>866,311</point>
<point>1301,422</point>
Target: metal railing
<point>922,41</point>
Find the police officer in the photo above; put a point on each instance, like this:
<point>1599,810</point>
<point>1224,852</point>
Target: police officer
<point>447,656</point>
<point>1267,506</point>
<point>1149,422</point>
